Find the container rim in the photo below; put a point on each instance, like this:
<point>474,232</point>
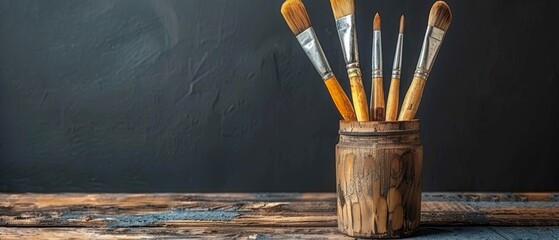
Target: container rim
<point>378,128</point>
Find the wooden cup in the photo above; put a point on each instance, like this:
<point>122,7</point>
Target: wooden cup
<point>378,178</point>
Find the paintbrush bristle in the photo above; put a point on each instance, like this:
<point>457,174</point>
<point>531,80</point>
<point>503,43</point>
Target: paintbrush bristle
<point>440,15</point>
<point>342,8</point>
<point>296,16</point>
<point>402,24</point>
<point>376,22</point>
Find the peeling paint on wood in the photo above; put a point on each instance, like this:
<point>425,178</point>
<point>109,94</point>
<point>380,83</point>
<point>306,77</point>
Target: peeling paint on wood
<point>150,219</point>
<point>263,216</point>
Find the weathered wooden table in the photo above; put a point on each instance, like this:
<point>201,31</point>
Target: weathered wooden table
<point>263,216</point>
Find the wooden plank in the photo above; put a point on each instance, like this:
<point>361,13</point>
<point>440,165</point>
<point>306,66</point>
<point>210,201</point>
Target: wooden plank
<point>491,196</point>
<point>495,209</point>
<point>134,210</point>
<point>261,210</point>
<point>451,233</point>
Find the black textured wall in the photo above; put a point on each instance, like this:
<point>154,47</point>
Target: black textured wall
<point>216,95</point>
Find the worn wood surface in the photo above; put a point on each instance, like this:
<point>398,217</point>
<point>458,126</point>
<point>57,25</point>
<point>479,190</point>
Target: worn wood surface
<point>377,100</point>
<point>393,99</point>
<point>340,98</point>
<point>378,179</point>
<point>452,233</point>
<point>412,99</point>
<point>263,216</point>
<point>358,97</point>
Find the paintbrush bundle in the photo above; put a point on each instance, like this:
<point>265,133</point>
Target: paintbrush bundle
<point>379,153</point>
<point>296,17</point>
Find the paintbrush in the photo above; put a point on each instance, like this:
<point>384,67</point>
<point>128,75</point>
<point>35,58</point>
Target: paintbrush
<point>394,91</point>
<point>377,89</point>
<point>345,24</point>
<point>297,19</point>
<point>439,21</point>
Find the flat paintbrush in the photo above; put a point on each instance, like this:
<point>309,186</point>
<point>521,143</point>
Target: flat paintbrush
<point>377,89</point>
<point>394,91</point>
<point>345,23</point>
<point>439,21</point>
<point>297,19</point>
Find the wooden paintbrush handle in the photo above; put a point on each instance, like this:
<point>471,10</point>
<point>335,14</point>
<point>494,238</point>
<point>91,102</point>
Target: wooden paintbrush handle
<point>392,102</point>
<point>377,103</point>
<point>412,99</point>
<point>340,99</point>
<point>359,98</point>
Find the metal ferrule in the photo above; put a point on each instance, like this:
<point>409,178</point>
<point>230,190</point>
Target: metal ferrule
<point>353,70</point>
<point>397,65</point>
<point>377,54</point>
<point>312,48</point>
<point>348,39</point>
<point>431,43</point>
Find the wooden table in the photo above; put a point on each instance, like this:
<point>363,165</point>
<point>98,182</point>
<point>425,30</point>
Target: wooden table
<point>263,216</point>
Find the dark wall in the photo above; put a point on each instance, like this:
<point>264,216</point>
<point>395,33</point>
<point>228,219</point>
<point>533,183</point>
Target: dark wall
<point>208,95</point>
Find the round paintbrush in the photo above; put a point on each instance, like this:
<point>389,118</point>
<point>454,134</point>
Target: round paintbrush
<point>377,88</point>
<point>394,91</point>
<point>297,19</point>
<point>439,21</point>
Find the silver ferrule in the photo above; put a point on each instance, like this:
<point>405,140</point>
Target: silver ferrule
<point>377,54</point>
<point>348,38</point>
<point>397,65</point>
<point>312,48</point>
<point>353,70</point>
<point>431,43</point>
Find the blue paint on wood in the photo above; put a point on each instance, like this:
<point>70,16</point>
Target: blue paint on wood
<point>150,219</point>
<point>261,237</point>
<point>71,215</point>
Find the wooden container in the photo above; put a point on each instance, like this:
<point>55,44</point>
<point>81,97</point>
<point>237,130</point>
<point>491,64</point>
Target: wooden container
<point>378,178</point>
